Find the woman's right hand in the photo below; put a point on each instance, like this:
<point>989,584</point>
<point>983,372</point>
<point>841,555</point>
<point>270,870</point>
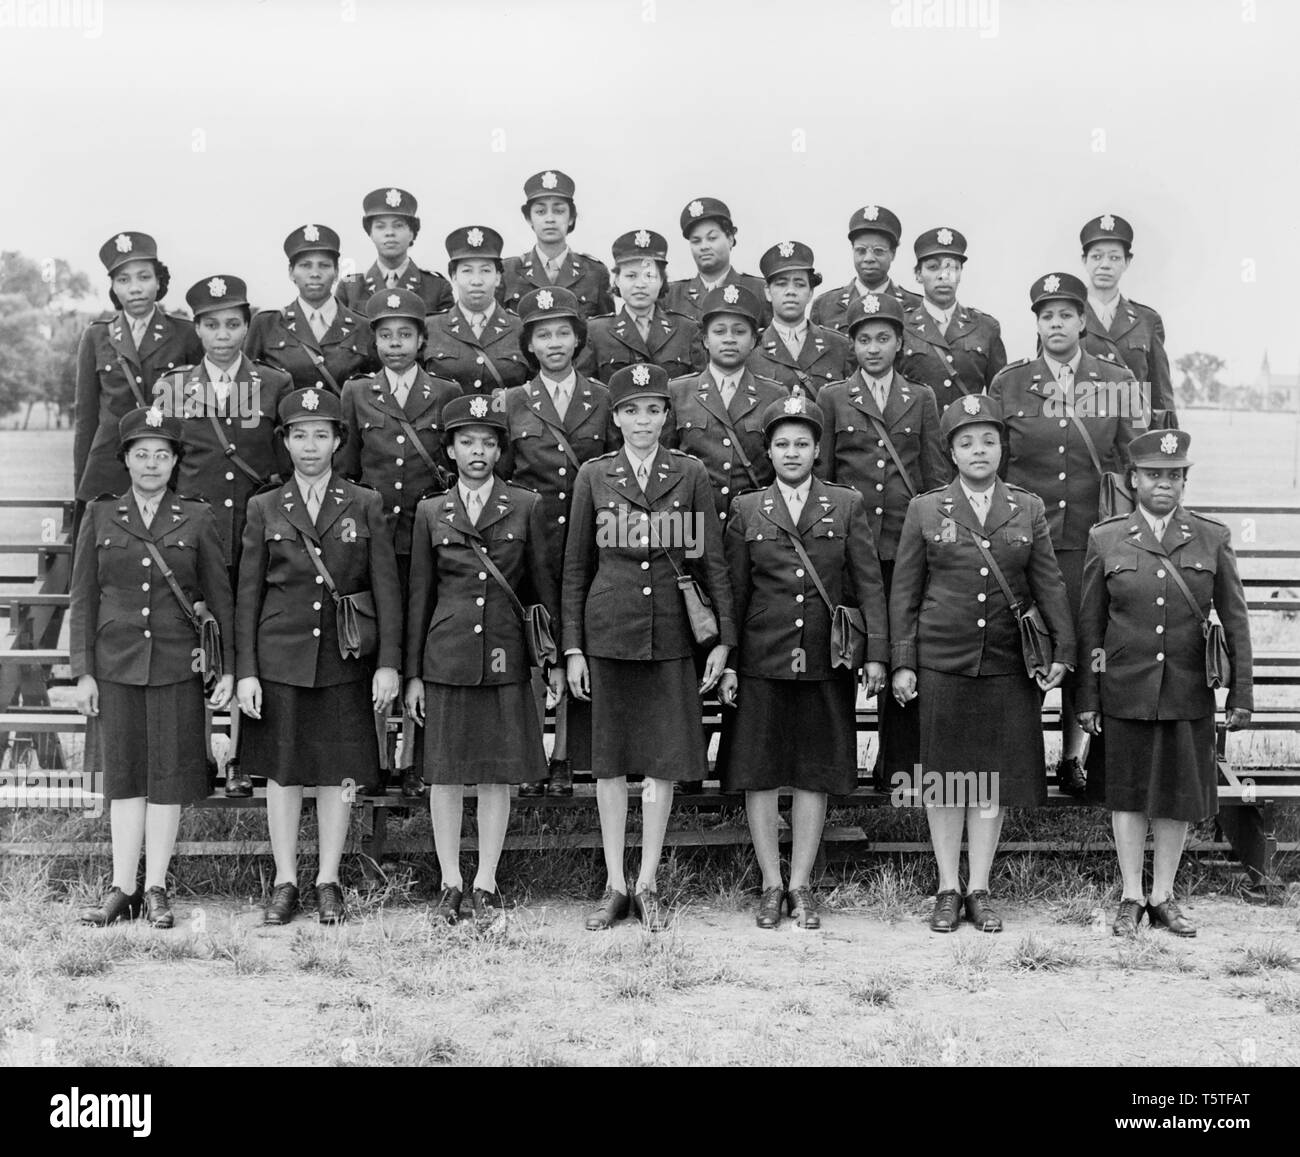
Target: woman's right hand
<point>904,685</point>
<point>728,685</point>
<point>578,676</point>
<point>415,699</point>
<point>88,695</point>
<point>1090,721</point>
<point>249,693</point>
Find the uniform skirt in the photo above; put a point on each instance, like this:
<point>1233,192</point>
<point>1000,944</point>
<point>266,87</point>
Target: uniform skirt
<point>150,742</point>
<point>987,724</point>
<point>1165,768</point>
<point>312,736</point>
<point>482,734</point>
<point>646,719</point>
<point>791,733</point>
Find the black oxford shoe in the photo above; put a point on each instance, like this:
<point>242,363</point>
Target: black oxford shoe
<point>282,905</point>
<point>117,906</point>
<point>561,783</point>
<point>238,785</point>
<point>329,904</point>
<point>769,908</point>
<point>158,908</point>
<point>412,784</point>
<point>981,913</point>
<point>1071,778</point>
<point>947,912</point>
<point>1168,915</point>
<point>448,908</point>
<point>487,905</point>
<point>803,908</point>
<point>650,911</point>
<point>613,907</point>
<point>1128,918</point>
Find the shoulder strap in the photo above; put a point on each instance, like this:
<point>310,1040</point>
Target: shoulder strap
<point>495,572</point>
<point>186,606</point>
<point>1012,601</point>
<point>740,450</point>
<point>318,360</point>
<point>1187,594</point>
<point>230,452</point>
<point>883,434</point>
<point>321,569</point>
<point>812,570</point>
<point>564,434</point>
<point>130,380</point>
<point>1083,433</point>
<point>439,472</point>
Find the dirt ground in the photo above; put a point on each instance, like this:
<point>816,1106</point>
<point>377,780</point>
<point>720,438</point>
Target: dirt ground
<point>390,988</point>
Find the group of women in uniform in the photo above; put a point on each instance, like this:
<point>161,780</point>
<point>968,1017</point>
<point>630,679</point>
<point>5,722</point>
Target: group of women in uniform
<point>488,493</point>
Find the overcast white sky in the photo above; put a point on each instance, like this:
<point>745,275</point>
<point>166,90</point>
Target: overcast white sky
<point>219,127</point>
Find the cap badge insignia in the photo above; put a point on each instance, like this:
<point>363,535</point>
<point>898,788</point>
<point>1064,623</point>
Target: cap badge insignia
<point>475,237</point>
<point>871,303</point>
<point>945,236</point>
<point>153,418</point>
<point>786,248</point>
<point>478,406</point>
<point>871,212</point>
<point>642,239</point>
<point>1108,223</point>
<point>641,375</point>
<point>1169,444</point>
<point>123,243</point>
<point>392,301</point>
<point>310,233</point>
<point>731,295</point>
<point>217,287</point>
<point>971,404</point>
<point>392,198</point>
<point>549,180</point>
<point>695,208</point>
<point>794,405</point>
<point>545,299</point>
<point>310,400</point>
<point>1052,283</point>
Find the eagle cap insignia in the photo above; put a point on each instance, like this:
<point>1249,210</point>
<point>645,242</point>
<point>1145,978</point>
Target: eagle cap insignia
<point>123,243</point>
<point>153,418</point>
<point>1051,283</point>
<point>971,404</point>
<point>871,212</point>
<point>478,406</point>
<point>392,198</point>
<point>641,375</point>
<point>545,299</point>
<point>871,303</point>
<point>1107,222</point>
<point>786,248</point>
<point>310,400</point>
<point>1169,444</point>
<point>217,287</point>
<point>392,301</point>
<point>475,237</point>
<point>945,236</point>
<point>731,295</point>
<point>642,239</point>
<point>310,233</point>
<point>794,406</point>
<point>695,208</point>
<point>549,180</point>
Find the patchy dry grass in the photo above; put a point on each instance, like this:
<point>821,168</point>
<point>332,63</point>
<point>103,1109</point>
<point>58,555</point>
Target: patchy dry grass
<point>1035,953</point>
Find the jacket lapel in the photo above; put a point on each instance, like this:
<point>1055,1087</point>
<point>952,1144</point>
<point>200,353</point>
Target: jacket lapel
<point>664,475</point>
<point>337,499</point>
<point>294,507</point>
<point>862,397</point>
<point>531,272</point>
<point>900,399</point>
<point>772,504</point>
<point>298,325</point>
<point>955,506</point>
<point>774,349</point>
<point>706,391</point>
<point>926,328</point>
<point>661,329</point>
<point>1126,318</point>
<point>814,345</point>
<point>495,506</point>
<point>621,478</point>
<point>744,399</point>
<point>453,516</point>
<point>496,328</point>
<point>345,322</point>
<point>1001,509</point>
<point>155,333</point>
<point>817,507</point>
<point>625,330</point>
<point>419,397</point>
<point>119,337</point>
<point>582,405</point>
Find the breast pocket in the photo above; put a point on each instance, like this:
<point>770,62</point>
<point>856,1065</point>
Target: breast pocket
<point>1017,538</point>
<point>827,528</point>
<point>182,539</point>
<point>1198,564</point>
<point>279,532</point>
<point>350,529</point>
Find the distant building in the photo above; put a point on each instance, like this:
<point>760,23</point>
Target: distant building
<point>1267,381</point>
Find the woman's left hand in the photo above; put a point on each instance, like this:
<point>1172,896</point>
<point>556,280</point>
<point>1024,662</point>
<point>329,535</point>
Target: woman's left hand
<point>728,685</point>
<point>873,678</point>
<point>1238,717</point>
<point>1052,679</point>
<point>221,694</point>
<point>713,667</point>
<point>384,688</point>
<point>556,685</point>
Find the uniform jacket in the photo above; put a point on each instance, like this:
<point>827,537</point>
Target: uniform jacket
<point>1136,338</point>
<point>283,338</point>
<point>853,454</point>
<point>378,452</point>
<point>962,361</point>
<point>534,457</point>
<point>780,614</point>
<point>947,611</point>
<point>433,288</point>
<point>614,342</point>
<point>831,308</point>
<point>620,597</point>
<point>1044,452</point>
<point>695,425</point>
<point>126,624</point>
<point>685,296</point>
<point>285,624</point>
<point>454,353</point>
<point>462,628</point>
<point>826,356</point>
<point>582,275</point>
<point>104,395</point>
<point>1142,653</point>
<point>205,470</point>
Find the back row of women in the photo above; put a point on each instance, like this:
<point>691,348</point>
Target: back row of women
<point>597,468</point>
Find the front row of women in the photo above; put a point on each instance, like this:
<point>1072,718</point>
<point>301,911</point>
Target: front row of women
<point>644,559</point>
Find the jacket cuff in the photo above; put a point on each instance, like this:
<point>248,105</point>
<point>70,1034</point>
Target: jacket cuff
<point>904,655</point>
<point>877,649</point>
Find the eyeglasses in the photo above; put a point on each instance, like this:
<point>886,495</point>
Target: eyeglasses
<point>877,251</point>
<point>144,457</point>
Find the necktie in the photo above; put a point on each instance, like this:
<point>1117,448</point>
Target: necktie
<point>476,324</point>
<point>138,330</point>
<point>318,325</point>
<point>880,391</point>
<point>474,506</point>
<point>561,400</point>
<point>643,475</point>
<point>222,388</point>
<point>1067,384</point>
<point>792,340</point>
<point>643,327</point>
<point>400,391</point>
<point>947,323</point>
<point>727,390</point>
<point>391,278</point>
<point>313,503</point>
<point>147,510</point>
<point>1159,529</point>
<point>795,504</point>
<point>553,269</point>
<point>980,504</point>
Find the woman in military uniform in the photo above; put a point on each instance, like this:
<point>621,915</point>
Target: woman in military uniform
<point>1150,696</point>
<point>550,211</point>
<point>795,724</point>
<point>1069,417</point>
<point>708,228</point>
<point>1118,329</point>
<point>954,349</point>
<point>874,234</point>
<point>957,652</point>
<point>642,330</point>
<point>391,219</point>
<point>132,654</point>
<point>476,343</point>
<point>393,444</point>
<point>882,438</point>
<point>793,351</point>
<point>554,424</point>
<point>640,518</point>
<point>309,706</point>
<point>316,339</point>
<point>467,664</point>
<point>121,355</point>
